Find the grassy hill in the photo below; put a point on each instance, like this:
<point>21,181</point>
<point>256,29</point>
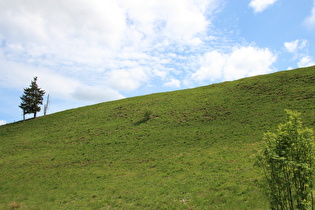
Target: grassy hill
<point>196,150</point>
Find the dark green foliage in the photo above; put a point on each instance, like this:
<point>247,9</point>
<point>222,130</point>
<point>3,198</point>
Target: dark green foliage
<point>31,99</point>
<point>288,164</point>
<point>146,116</point>
<point>195,152</point>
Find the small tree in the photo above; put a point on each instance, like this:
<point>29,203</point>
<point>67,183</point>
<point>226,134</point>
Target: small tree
<point>31,99</point>
<point>288,164</point>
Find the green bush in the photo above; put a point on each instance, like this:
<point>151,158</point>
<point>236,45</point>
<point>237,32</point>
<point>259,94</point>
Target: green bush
<point>288,164</point>
<point>147,115</point>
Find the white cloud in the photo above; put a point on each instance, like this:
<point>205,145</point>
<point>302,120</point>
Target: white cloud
<point>300,51</point>
<point>212,66</point>
<point>310,21</point>
<point>18,76</point>
<point>89,31</point>
<point>2,122</point>
<point>241,62</point>
<point>306,61</point>
<point>249,61</point>
<point>176,20</point>
<point>77,31</point>
<point>127,79</point>
<point>261,5</point>
<point>172,83</point>
<point>291,46</point>
<point>296,45</point>
<point>96,94</point>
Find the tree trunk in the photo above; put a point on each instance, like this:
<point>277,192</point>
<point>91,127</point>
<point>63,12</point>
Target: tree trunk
<point>35,115</point>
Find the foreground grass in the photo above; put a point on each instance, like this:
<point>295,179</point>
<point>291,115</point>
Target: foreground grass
<point>191,149</point>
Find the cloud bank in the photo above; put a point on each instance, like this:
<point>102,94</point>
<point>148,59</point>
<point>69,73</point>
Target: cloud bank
<point>97,50</point>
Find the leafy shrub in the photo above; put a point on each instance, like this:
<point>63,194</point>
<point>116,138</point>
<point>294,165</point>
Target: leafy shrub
<point>146,117</point>
<point>288,164</point>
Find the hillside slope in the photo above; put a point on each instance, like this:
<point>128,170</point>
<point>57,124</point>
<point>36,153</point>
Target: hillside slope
<point>196,150</point>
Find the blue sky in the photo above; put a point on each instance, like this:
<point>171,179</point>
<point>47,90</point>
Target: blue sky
<point>90,51</point>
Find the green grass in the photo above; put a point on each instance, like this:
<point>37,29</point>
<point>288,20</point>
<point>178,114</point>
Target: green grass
<point>189,149</point>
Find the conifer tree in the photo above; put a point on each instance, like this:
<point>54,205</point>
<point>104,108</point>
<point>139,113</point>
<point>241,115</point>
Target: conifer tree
<point>31,99</point>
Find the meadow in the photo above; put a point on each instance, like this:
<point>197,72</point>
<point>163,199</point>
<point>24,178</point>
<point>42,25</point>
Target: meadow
<point>187,149</point>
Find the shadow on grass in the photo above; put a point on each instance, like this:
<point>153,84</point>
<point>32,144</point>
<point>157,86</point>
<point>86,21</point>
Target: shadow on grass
<point>146,117</point>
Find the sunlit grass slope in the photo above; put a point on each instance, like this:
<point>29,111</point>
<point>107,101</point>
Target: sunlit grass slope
<point>196,150</point>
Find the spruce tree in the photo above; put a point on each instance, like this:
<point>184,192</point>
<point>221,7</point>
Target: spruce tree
<point>31,99</point>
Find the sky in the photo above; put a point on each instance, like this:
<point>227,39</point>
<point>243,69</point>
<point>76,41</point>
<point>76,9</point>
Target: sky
<point>91,51</point>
